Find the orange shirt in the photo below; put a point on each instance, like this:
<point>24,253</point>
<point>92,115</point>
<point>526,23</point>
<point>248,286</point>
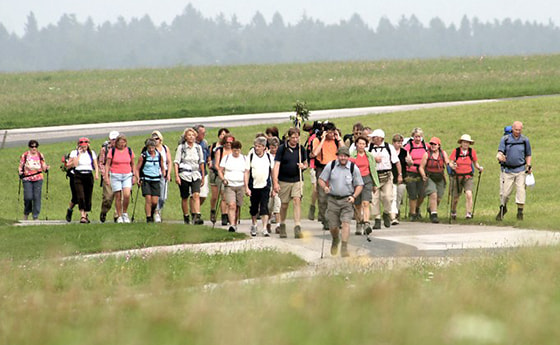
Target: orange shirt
<point>328,151</point>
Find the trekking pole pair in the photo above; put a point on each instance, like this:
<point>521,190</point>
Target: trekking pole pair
<point>19,197</point>
<point>476,193</point>
<point>47,198</point>
<point>135,202</point>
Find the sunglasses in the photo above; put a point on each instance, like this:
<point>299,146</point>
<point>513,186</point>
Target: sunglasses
<point>83,142</point>
<point>433,144</point>
<point>33,146</point>
<point>156,138</point>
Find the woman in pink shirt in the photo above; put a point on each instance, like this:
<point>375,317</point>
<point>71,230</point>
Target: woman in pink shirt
<point>31,168</point>
<point>119,173</point>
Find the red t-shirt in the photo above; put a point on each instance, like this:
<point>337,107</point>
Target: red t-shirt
<point>362,162</point>
<point>464,162</point>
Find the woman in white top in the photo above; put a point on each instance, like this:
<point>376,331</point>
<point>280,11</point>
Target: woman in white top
<point>232,173</point>
<point>166,155</point>
<point>84,162</point>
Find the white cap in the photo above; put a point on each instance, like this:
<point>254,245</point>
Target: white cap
<point>377,133</point>
<point>113,135</point>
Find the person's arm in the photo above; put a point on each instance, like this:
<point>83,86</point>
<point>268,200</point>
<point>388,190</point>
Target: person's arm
<point>324,185</point>
<point>169,162</point>
<point>44,164</point>
<point>421,168</point>
<point>107,174</point>
<point>202,180</point>
<point>246,182</point>
<point>133,168</point>
<point>137,170</point>
<point>177,178</point>
<point>318,144</point>
<point>275,171</point>
<point>96,168</point>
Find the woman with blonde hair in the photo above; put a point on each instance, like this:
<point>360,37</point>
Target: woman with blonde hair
<point>164,182</point>
<point>120,174</point>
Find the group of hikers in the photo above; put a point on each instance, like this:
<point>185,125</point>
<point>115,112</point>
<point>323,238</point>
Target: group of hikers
<point>357,176</point>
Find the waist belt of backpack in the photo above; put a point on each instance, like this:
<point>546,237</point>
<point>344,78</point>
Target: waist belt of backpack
<point>184,170</point>
<point>385,171</point>
<point>152,177</point>
<point>513,166</point>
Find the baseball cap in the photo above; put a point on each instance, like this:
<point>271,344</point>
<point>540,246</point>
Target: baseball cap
<point>377,133</point>
<point>343,150</point>
<point>113,135</point>
<point>435,140</point>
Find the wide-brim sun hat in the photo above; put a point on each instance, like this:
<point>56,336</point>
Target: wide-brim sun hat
<point>377,133</point>
<point>467,138</point>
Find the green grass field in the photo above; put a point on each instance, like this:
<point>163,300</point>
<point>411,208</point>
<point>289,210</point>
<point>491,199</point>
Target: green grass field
<point>506,297</point>
<point>56,98</point>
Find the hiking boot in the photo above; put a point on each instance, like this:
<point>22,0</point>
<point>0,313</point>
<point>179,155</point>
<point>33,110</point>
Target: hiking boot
<point>454,215</point>
<point>311,214</point>
<point>359,228</point>
<point>519,214</point>
<point>434,218</point>
<point>297,232</point>
<point>344,250</point>
<point>197,219</point>
<point>149,219</point>
<point>325,225</point>
<point>69,215</point>
<point>277,229</point>
<point>501,213</point>
<point>368,228</point>
<point>282,231</point>
<point>231,229</point>
<point>186,219</point>
<point>253,230</point>
<point>225,219</point>
<point>377,224</point>
<point>213,216</point>
<point>468,216</point>
<point>418,214</point>
<point>413,217</point>
<point>102,217</point>
<point>387,220</point>
<point>334,246</point>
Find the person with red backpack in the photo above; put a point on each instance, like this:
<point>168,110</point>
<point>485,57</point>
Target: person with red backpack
<point>432,169</point>
<point>31,168</point>
<point>416,148</point>
<point>463,161</point>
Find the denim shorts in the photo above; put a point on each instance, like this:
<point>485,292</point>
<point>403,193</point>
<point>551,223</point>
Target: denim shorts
<point>121,181</point>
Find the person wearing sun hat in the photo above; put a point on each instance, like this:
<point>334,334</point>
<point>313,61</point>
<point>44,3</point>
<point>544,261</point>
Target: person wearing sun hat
<point>432,170</point>
<point>84,162</point>
<point>463,160</point>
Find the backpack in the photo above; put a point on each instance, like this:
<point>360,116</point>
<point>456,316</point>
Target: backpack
<point>333,163</point>
<point>105,147</point>
<point>64,166</point>
<point>317,162</point>
<point>524,143</point>
<point>145,155</point>
<point>452,172</point>
<point>435,170</point>
<point>41,159</point>
<point>386,147</point>
<point>113,152</point>
<point>269,179</point>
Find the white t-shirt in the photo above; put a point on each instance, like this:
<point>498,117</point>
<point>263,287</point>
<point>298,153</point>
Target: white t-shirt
<point>260,168</point>
<point>386,159</point>
<point>85,162</point>
<point>234,169</point>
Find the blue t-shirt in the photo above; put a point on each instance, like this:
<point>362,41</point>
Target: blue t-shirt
<point>515,150</point>
<point>152,167</point>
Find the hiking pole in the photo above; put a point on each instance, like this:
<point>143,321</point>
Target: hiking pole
<point>18,198</point>
<point>218,201</point>
<point>476,193</point>
<point>135,202</point>
<point>449,201</point>
<point>47,198</point>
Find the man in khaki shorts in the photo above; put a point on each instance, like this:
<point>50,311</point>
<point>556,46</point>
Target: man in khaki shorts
<point>287,178</point>
<point>342,182</point>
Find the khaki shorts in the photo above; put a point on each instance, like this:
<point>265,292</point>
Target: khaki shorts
<point>339,211</point>
<point>435,187</point>
<point>460,183</point>
<point>234,195</point>
<point>290,190</point>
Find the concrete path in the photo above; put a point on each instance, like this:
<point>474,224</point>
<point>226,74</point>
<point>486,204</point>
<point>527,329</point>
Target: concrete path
<point>404,241</point>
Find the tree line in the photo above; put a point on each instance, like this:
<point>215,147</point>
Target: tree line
<point>192,39</point>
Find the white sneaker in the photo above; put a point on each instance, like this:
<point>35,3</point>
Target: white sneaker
<point>157,218</point>
<point>253,230</point>
<point>265,233</point>
<point>125,218</point>
<point>119,220</point>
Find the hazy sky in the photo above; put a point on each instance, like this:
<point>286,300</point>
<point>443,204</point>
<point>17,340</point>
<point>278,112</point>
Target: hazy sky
<point>13,13</point>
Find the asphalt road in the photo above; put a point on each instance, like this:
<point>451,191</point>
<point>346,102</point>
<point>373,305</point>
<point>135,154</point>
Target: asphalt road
<point>19,137</point>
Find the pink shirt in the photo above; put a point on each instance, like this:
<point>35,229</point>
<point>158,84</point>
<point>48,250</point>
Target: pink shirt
<point>120,164</point>
<point>416,153</point>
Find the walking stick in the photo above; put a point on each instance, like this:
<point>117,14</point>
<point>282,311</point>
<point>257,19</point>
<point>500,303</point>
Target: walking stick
<point>218,201</point>
<point>135,202</point>
<point>476,193</point>
<point>449,195</point>
<point>47,198</point>
<point>18,198</point>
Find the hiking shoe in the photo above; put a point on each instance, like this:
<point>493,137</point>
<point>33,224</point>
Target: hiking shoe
<point>501,213</point>
<point>231,228</point>
<point>69,215</point>
<point>387,220</point>
<point>468,216</point>
<point>368,228</point>
<point>282,231</point>
<point>334,246</point>
<point>197,219</point>
<point>325,226</point>
<point>266,233</point>
<point>273,219</point>
<point>119,220</point>
<point>125,218</point>
<point>344,250</point>
<point>395,222</point>
<point>377,224</point>
<point>311,214</point>
<point>149,219</point>
<point>115,219</point>
<point>186,219</point>
<point>519,214</point>
<point>297,232</point>
<point>454,215</point>
<point>225,219</point>
<point>253,230</point>
<point>359,228</point>
<point>434,218</point>
<point>213,216</point>
<point>157,218</point>
<point>277,229</point>
<point>102,217</point>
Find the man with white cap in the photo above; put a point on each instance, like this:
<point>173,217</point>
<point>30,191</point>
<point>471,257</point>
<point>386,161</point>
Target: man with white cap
<point>342,182</point>
<point>107,199</point>
<point>385,157</point>
<point>463,160</point>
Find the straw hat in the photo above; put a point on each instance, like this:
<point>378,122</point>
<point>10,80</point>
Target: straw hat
<point>467,138</point>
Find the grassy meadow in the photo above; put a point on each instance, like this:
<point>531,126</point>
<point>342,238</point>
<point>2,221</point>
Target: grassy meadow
<point>506,297</point>
<point>56,98</point>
